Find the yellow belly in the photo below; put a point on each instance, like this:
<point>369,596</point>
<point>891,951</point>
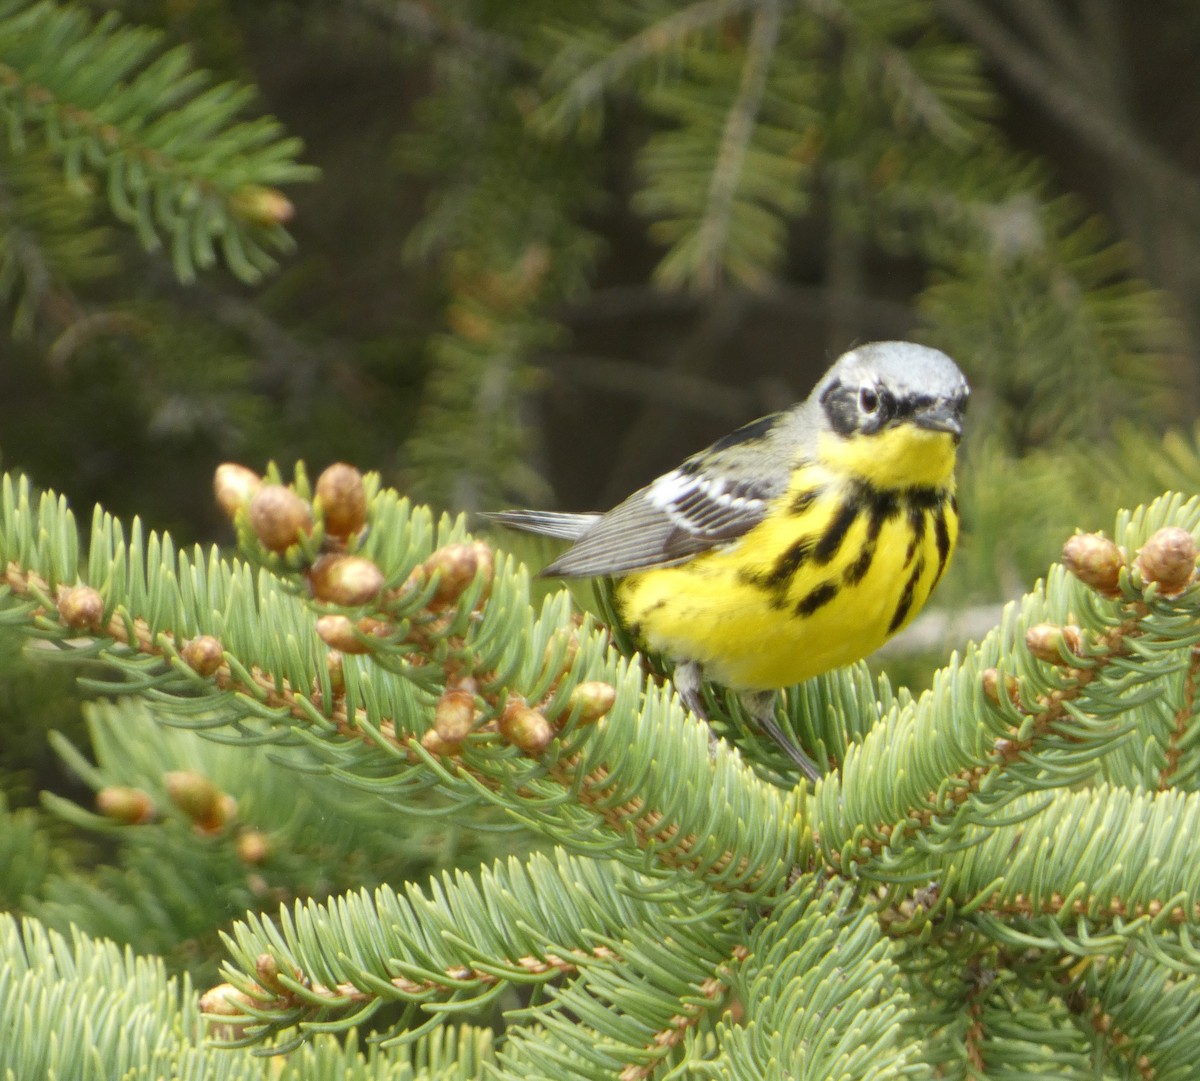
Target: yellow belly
<point>775,608</point>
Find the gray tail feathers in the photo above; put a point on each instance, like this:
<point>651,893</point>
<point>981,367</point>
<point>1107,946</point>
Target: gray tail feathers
<point>547,523</point>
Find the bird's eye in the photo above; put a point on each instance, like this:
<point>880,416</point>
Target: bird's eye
<point>868,400</point>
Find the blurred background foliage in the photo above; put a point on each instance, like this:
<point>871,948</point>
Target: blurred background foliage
<point>540,252</point>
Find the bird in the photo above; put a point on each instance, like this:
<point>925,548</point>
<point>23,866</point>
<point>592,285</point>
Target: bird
<point>796,544</point>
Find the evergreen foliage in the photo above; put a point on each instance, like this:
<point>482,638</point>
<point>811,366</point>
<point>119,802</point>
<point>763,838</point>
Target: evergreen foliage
<point>364,785</point>
<point>996,877</point>
<point>176,161</point>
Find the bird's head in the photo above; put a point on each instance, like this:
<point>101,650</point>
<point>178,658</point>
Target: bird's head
<point>891,413</point>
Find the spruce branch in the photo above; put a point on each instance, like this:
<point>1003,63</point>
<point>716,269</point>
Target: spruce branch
<point>659,36</point>
<point>177,162</point>
<point>1104,133</point>
<point>1044,715</point>
<point>84,1008</point>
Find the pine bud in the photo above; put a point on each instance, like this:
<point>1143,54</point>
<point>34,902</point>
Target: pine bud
<point>234,486</point>
<point>572,648</point>
<point>435,745</point>
<point>456,567</point>
<point>343,499</point>
<point>225,1000</point>
<point>1095,561</point>
<point>124,804</point>
<point>1169,559</point>
<point>454,716</point>
<point>992,683</point>
<point>1048,642</point>
<point>279,517</point>
<point>593,700</point>
<point>266,968</point>
<point>336,667</point>
<point>525,728</point>
<point>345,580</point>
<point>346,636</point>
<point>204,654</point>
<point>81,607</point>
<point>252,846</point>
<point>261,205</point>
<point>193,793</point>
<point>223,813</point>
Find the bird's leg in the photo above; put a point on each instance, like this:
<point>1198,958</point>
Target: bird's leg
<point>687,680</point>
<point>761,707</point>
<point>759,704</point>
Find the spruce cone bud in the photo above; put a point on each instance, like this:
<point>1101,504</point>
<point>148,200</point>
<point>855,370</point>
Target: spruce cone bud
<point>1048,642</point>
<point>225,1000</point>
<point>992,683</point>
<point>252,846</point>
<point>345,580</point>
<point>1095,561</point>
<point>454,716</point>
<point>81,607</point>
<point>234,486</point>
<point>223,813</point>
<point>593,699</point>
<point>572,650</point>
<point>193,793</point>
<point>204,654</point>
<point>435,745</point>
<point>456,567</point>
<point>1169,559</point>
<point>346,636</point>
<point>261,205</point>
<point>279,517</point>
<point>336,667</point>
<point>525,728</point>
<point>121,803</point>
<point>343,499</point>
<point>266,968</point>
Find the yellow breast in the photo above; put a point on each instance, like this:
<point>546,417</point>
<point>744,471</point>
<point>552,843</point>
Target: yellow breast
<point>839,564</point>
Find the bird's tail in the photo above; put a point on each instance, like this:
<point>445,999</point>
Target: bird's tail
<point>547,523</point>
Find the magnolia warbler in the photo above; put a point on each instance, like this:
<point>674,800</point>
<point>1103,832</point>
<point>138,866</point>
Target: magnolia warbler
<point>796,544</point>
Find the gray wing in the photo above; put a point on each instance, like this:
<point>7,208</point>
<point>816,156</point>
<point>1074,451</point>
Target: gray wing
<point>681,514</point>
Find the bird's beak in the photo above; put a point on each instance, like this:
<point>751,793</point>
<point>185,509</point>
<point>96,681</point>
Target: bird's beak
<point>940,417</point>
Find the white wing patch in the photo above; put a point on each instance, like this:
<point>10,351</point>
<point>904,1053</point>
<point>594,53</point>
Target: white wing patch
<point>705,505</point>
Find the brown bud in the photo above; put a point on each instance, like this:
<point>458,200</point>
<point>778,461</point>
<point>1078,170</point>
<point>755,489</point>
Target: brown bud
<point>193,793</point>
<point>279,517</point>
<point>525,728</point>
<point>435,745</point>
<point>593,700</point>
<point>456,567</point>
<point>343,499</point>
<point>1169,559</point>
<point>1095,561</point>
<point>225,1000</point>
<point>345,580</point>
<point>261,205</point>
<point>223,812</point>
<point>252,846</point>
<point>1048,642</point>
<point>81,607</point>
<point>234,486</point>
<point>572,648</point>
<point>121,803</point>
<point>346,636</point>
<point>266,968</point>
<point>204,654</point>
<point>336,667</point>
<point>454,716</point>
<point>992,683</point>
